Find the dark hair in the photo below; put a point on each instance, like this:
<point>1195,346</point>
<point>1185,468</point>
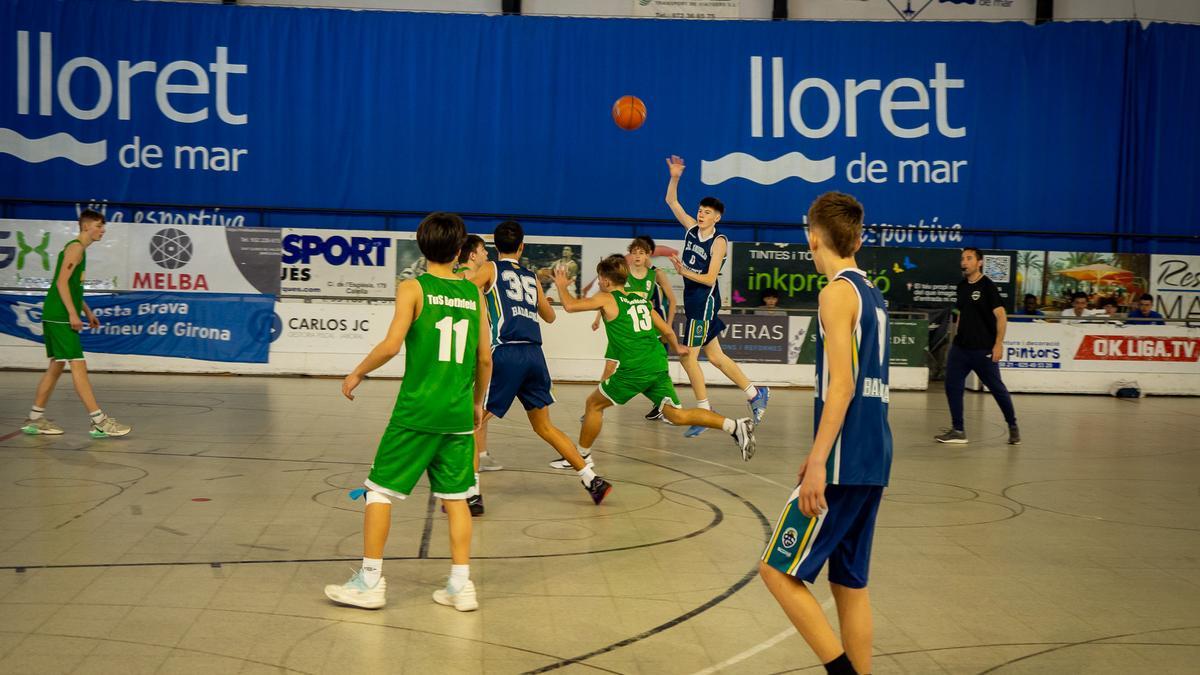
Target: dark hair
<point>1030,296</point>
<point>91,214</point>
<point>714,204</point>
<point>508,236</point>
<point>643,242</point>
<point>473,242</point>
<point>1146,296</point>
<point>1078,294</point>
<point>614,269</point>
<point>840,218</point>
<point>976,251</point>
<point>440,236</point>
<point>1108,301</point>
<point>770,293</point>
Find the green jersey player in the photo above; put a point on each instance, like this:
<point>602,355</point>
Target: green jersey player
<point>439,318</point>
<point>633,330</point>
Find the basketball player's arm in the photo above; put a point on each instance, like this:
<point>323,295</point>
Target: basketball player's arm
<point>545,310</point>
<point>71,259</point>
<point>93,322</point>
<point>709,278</point>
<point>675,168</point>
<point>572,304</point>
<point>660,278</point>
<point>838,303</point>
<point>483,363</point>
<point>668,335</point>
<point>408,306</point>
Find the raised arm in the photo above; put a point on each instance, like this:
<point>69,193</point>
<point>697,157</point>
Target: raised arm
<point>602,301</point>
<point>675,168</point>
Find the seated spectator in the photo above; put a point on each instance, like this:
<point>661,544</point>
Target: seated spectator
<point>1078,309</point>
<point>1029,310</point>
<point>770,303</point>
<point>1145,310</point>
<point>1108,308</point>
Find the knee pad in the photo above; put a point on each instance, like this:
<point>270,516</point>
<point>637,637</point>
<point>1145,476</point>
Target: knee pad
<point>374,497</point>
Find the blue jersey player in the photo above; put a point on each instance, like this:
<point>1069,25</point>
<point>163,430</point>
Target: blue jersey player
<point>704,251</point>
<point>830,516</point>
<point>515,301</point>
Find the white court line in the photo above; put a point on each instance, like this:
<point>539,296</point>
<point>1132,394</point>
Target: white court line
<point>760,647</point>
<point>771,641</point>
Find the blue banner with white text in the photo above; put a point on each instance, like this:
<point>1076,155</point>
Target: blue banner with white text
<point>209,327</point>
<point>251,106</point>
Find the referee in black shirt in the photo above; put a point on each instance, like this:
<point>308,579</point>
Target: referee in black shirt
<point>978,346</point>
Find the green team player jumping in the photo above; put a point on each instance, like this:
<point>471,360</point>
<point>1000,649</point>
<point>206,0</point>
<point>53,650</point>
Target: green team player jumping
<point>633,330</point>
<point>60,327</point>
<point>439,318</point>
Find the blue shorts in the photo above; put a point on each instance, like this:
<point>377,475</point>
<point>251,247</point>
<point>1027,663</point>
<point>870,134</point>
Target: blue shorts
<point>700,306</point>
<point>518,371</point>
<point>799,546</point>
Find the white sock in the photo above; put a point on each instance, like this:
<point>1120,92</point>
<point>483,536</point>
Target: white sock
<point>372,569</point>
<point>586,475</point>
<point>750,392</point>
<point>703,404</point>
<point>473,491</point>
<point>729,426</point>
<point>36,413</point>
<point>98,416</point>
<point>584,452</point>
<point>459,576</point>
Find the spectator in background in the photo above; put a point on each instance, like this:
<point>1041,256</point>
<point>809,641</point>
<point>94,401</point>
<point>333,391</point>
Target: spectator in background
<point>770,304</point>
<point>1108,308</point>
<point>1145,310</point>
<point>1029,310</point>
<point>1078,309</point>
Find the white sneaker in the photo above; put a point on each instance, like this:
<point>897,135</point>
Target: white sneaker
<point>109,427</point>
<point>464,600</point>
<point>41,425</point>
<point>489,463</point>
<point>564,464</point>
<point>743,435</point>
<point>357,593</point>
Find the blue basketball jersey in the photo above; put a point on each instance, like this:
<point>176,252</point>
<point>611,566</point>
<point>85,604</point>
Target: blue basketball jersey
<point>862,452</point>
<point>512,305</point>
<point>696,256</point>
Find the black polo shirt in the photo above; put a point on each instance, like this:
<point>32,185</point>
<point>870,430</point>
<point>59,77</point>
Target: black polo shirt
<point>976,317</point>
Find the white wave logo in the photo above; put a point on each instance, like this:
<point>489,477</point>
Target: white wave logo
<point>62,144</point>
<point>767,172</point>
<point>29,316</point>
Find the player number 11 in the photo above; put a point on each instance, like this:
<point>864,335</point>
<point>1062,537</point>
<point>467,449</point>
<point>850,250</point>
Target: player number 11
<point>452,332</point>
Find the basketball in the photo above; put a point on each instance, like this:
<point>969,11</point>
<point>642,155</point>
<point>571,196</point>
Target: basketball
<point>629,112</point>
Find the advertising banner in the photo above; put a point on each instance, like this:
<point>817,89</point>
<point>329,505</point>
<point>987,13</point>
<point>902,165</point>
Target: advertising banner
<point>748,338</point>
<point>1102,348</point>
<point>338,263</point>
<point>29,252</point>
<point>329,328</point>
<point>209,327</point>
<point>909,278</point>
<point>227,105</point>
<point>1175,283</point>
<point>909,341</point>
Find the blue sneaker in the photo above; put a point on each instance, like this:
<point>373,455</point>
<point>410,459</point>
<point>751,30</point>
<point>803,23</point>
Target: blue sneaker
<point>758,404</point>
<point>357,593</point>
<point>693,431</point>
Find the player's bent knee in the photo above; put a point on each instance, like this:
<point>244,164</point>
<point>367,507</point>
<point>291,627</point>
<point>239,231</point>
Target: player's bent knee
<point>374,497</point>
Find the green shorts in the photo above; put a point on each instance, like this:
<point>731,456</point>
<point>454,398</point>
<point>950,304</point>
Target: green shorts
<point>62,343</point>
<point>405,454</point>
<point>622,386</point>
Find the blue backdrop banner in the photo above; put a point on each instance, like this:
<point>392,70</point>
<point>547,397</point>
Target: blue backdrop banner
<point>209,326</point>
<point>252,106</point>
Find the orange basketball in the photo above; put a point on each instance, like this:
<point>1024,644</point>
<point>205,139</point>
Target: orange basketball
<point>629,112</point>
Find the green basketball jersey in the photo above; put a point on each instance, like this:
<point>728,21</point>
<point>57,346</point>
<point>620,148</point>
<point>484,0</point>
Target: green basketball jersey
<point>632,340</point>
<point>437,395</point>
<point>645,285</point>
<point>53,308</point>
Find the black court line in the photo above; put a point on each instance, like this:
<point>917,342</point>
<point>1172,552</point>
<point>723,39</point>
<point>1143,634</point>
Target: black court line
<point>423,551</point>
<point>724,595</point>
<point>232,475</point>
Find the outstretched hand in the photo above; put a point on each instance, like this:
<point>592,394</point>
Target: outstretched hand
<point>675,166</point>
